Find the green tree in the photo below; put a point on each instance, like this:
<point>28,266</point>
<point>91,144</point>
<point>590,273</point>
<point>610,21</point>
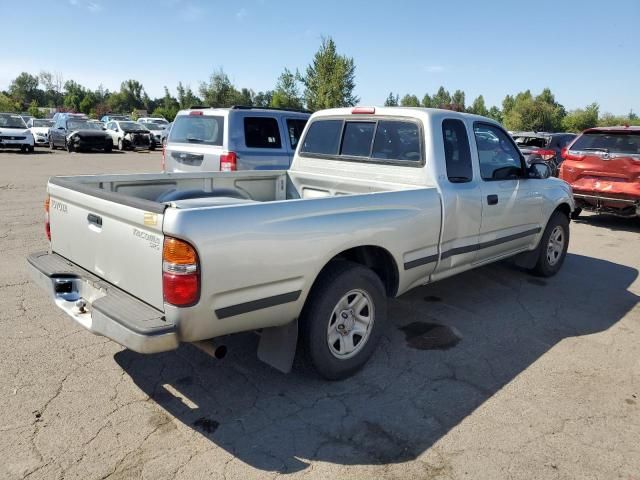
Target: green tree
<point>457,100</point>
<point>219,92</point>
<point>330,79</point>
<point>410,101</point>
<point>287,93</point>
<point>581,118</point>
<point>33,109</point>
<point>495,113</point>
<point>478,107</point>
<point>427,101</point>
<point>263,99</point>
<point>186,97</point>
<point>526,112</point>
<point>8,104</point>
<point>24,89</point>
<point>392,100</point>
<point>441,99</point>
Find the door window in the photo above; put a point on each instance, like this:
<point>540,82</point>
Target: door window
<point>295,127</point>
<point>456,151</point>
<point>261,132</point>
<point>499,157</point>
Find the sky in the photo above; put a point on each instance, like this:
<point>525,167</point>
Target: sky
<point>585,51</point>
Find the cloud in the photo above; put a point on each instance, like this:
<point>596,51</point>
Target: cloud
<point>191,13</point>
<point>93,7</point>
<point>434,68</point>
<point>241,14</point>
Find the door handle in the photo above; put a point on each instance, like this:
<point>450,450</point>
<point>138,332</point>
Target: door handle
<point>95,219</point>
<point>492,199</point>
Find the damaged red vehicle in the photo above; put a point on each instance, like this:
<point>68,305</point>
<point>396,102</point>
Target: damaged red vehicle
<point>603,167</point>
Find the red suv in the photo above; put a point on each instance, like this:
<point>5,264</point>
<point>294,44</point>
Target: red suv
<point>602,166</point>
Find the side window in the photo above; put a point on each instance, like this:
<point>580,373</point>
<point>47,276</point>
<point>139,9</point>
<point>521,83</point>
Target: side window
<point>261,132</point>
<point>397,140</point>
<point>357,137</point>
<point>294,129</point>
<point>499,157</point>
<point>323,137</point>
<point>456,151</point>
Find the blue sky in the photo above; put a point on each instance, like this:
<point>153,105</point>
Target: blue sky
<point>584,51</point>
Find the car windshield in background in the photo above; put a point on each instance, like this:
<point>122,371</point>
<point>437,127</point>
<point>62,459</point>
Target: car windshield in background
<point>81,125</point>
<point>159,122</point>
<point>152,126</point>
<point>201,129</point>
<point>42,123</point>
<point>539,142</point>
<point>11,121</point>
<point>131,126</point>
<point>609,142</point>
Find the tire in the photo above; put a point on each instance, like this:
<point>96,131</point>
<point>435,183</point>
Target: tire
<point>68,146</point>
<point>30,149</point>
<point>553,246</point>
<point>576,213</point>
<point>330,313</point>
<point>120,144</point>
<point>23,148</point>
<point>51,145</point>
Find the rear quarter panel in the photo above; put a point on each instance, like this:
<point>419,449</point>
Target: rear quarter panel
<point>251,252</point>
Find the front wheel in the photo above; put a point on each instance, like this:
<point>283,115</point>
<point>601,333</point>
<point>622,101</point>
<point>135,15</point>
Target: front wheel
<point>51,145</point>
<point>553,246</point>
<point>343,319</point>
<point>120,145</point>
<point>69,146</point>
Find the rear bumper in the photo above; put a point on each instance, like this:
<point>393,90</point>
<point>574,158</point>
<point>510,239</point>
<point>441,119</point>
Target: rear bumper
<point>625,206</point>
<point>109,311</point>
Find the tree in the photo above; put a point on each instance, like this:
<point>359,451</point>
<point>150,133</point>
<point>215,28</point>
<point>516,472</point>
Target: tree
<point>186,97</point>
<point>287,93</point>
<point>495,113</point>
<point>457,100</point>
<point>478,107</point>
<point>392,100</point>
<point>219,92</point>
<point>33,109</point>
<point>263,99</point>
<point>410,101</point>
<point>24,89</point>
<point>526,112</point>
<point>427,101</point>
<point>330,79</point>
<point>581,118</point>
<point>7,104</point>
<point>441,99</point>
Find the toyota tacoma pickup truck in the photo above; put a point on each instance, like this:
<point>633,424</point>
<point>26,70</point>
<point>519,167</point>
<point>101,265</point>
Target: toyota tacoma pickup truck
<point>377,201</point>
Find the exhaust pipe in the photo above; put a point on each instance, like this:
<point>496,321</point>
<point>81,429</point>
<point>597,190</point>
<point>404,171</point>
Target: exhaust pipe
<point>212,348</point>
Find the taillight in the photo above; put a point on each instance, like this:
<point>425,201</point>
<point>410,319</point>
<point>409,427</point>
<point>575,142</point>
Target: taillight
<point>573,155</point>
<point>228,162</point>
<point>180,273</point>
<point>163,164</point>
<point>363,110</point>
<point>546,155</point>
<point>47,225</point>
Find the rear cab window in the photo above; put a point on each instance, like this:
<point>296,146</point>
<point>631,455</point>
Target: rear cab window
<point>262,132</point>
<point>373,140</point>
<point>197,129</point>
<point>456,151</point>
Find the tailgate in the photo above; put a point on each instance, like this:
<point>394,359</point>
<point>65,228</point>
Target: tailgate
<point>119,243</point>
<point>192,158</point>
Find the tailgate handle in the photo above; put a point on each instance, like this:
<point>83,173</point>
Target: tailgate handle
<point>95,219</point>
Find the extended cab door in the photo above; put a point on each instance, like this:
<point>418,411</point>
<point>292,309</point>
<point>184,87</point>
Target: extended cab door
<point>511,204</point>
<point>461,198</point>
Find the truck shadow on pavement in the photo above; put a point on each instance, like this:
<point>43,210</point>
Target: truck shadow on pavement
<point>611,222</point>
<point>411,393</point>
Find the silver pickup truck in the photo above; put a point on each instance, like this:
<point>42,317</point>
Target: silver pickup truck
<point>377,201</point>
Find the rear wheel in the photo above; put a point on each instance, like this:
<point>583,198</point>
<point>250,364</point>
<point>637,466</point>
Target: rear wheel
<point>343,319</point>
<point>553,246</point>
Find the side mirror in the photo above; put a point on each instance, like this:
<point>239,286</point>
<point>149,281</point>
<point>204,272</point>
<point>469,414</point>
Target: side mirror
<point>540,170</point>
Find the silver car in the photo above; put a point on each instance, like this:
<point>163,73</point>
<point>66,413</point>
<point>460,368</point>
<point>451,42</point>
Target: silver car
<point>236,138</point>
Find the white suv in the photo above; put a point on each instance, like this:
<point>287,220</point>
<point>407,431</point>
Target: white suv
<point>14,133</point>
<point>235,138</point>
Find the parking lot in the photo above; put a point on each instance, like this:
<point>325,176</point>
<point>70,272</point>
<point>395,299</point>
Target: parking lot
<point>489,374</point>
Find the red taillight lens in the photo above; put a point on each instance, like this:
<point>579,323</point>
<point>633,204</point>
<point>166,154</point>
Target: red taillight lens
<point>546,155</point>
<point>195,112</point>
<point>47,225</point>
<point>228,162</point>
<point>573,155</point>
<point>363,110</point>
<point>180,273</point>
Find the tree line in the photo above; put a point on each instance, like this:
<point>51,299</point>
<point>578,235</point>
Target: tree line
<point>328,81</point>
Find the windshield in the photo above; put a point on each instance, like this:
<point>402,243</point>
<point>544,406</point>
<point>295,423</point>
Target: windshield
<point>81,125</point>
<point>152,126</point>
<point>206,130</point>
<point>609,142</point>
<point>42,123</point>
<point>131,126</point>
<point>159,122</point>
<point>539,142</point>
<point>11,121</point>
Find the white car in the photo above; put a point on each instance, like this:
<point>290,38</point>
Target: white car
<point>40,130</point>
<point>129,135</point>
<point>157,120</point>
<point>14,133</point>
